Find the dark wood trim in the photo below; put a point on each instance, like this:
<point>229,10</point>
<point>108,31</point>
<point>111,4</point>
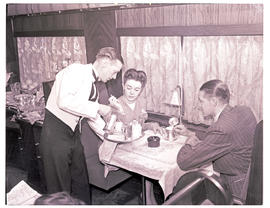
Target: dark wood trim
<point>200,30</point>
<point>94,9</point>
<point>163,120</point>
<point>53,33</point>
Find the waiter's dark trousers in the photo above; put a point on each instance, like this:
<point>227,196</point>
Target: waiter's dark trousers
<point>63,159</point>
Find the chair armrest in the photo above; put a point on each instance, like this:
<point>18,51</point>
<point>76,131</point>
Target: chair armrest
<point>215,188</point>
<point>180,194</point>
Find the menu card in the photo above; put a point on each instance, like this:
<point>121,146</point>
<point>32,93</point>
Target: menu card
<point>22,194</point>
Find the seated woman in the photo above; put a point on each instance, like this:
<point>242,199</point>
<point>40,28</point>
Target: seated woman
<point>129,106</point>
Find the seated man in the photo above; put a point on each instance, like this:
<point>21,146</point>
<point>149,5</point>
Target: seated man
<point>228,142</point>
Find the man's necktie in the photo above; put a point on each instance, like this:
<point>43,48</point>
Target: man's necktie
<point>93,97</point>
<point>94,92</point>
<point>102,93</point>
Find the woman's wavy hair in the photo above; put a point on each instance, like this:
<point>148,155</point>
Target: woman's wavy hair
<point>216,88</point>
<point>135,75</point>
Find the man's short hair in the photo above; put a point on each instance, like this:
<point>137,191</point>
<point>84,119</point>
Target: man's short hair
<point>58,198</point>
<point>109,52</point>
<point>216,88</point>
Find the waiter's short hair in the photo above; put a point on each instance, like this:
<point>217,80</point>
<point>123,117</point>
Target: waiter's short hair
<point>109,52</point>
<point>135,75</point>
<point>217,89</point>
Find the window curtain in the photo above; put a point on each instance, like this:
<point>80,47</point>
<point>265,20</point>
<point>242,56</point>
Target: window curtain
<point>40,58</point>
<point>237,60</point>
<point>159,57</point>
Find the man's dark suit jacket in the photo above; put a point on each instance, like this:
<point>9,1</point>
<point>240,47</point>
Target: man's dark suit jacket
<point>227,144</point>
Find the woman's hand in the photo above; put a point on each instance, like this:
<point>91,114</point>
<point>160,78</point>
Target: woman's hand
<point>157,129</point>
<point>114,102</point>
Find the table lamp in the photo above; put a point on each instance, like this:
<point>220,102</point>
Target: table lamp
<point>176,100</point>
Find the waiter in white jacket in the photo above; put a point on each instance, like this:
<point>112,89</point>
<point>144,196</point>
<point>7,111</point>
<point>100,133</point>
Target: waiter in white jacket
<point>74,96</point>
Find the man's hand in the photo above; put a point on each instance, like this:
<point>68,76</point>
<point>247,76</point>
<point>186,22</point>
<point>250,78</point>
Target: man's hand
<point>104,109</point>
<point>182,130</point>
<point>192,140</point>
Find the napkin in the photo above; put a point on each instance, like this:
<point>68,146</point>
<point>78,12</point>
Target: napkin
<point>106,151</point>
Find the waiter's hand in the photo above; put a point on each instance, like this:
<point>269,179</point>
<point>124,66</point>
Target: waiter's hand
<point>104,109</point>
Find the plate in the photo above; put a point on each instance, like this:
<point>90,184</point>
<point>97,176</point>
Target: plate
<point>117,138</point>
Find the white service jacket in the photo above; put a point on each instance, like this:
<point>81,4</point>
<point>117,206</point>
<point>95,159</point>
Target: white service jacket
<point>69,97</point>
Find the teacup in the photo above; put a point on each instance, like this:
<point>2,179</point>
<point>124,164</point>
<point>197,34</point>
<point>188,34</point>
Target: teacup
<point>170,134</point>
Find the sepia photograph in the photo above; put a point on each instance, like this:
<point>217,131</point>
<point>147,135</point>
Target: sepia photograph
<point>125,103</point>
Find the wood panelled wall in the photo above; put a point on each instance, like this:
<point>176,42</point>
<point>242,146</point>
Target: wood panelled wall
<point>191,15</point>
<point>172,15</point>
<point>49,25</point>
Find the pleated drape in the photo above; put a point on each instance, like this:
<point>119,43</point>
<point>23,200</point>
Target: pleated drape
<point>237,60</point>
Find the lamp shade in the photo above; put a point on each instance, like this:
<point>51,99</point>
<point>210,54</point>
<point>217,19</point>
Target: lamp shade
<point>175,99</point>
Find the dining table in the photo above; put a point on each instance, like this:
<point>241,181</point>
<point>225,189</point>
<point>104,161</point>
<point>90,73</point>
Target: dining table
<point>158,163</point>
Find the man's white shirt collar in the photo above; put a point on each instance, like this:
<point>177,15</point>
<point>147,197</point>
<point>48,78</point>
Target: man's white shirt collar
<point>219,112</point>
<point>95,71</point>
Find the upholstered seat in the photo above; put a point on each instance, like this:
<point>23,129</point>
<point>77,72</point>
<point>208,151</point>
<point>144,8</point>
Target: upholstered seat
<point>255,184</point>
<point>47,86</point>
<point>91,143</point>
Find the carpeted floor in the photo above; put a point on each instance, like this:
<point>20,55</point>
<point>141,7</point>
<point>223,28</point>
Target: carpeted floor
<point>126,193</point>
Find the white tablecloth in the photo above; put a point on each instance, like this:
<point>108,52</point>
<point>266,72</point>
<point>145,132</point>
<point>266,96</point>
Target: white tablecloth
<point>157,163</point>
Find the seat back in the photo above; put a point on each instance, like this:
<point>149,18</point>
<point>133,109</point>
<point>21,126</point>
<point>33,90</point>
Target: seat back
<point>255,184</point>
<point>47,86</point>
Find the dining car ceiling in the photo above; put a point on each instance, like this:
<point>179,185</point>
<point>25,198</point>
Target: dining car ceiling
<point>31,9</point>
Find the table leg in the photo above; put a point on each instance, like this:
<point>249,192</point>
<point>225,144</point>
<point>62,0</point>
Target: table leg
<point>143,191</point>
